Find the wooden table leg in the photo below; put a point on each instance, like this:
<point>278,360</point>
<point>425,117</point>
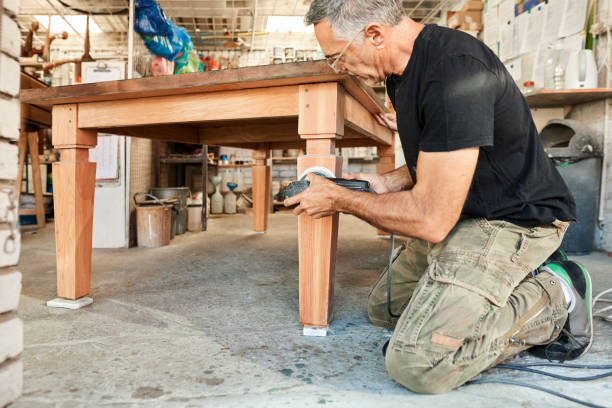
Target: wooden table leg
<point>22,147</point>
<point>73,193</point>
<point>204,186</point>
<point>386,163</point>
<point>260,173</point>
<point>321,122</point>
<point>36,179</point>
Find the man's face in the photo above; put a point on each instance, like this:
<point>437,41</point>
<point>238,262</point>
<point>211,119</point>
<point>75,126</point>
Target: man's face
<point>362,58</point>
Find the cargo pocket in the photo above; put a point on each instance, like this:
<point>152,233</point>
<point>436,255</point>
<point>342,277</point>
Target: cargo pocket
<point>490,280</point>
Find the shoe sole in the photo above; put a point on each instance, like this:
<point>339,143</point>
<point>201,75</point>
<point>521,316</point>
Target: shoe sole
<point>589,291</point>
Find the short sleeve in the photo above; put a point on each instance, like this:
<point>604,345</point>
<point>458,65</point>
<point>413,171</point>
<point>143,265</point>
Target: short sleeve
<point>458,106</point>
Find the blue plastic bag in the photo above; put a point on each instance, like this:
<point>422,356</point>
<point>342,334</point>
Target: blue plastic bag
<point>150,19</point>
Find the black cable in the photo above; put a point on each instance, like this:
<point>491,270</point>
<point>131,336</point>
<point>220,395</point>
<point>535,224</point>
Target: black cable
<point>535,387</point>
<point>553,375</point>
<point>389,278</point>
<point>565,365</point>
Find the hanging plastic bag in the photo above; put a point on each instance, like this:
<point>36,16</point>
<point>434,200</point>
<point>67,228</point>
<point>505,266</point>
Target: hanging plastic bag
<point>150,19</point>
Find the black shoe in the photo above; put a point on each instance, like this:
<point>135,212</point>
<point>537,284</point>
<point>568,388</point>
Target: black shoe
<point>576,336</point>
<point>558,256</point>
<point>384,349</point>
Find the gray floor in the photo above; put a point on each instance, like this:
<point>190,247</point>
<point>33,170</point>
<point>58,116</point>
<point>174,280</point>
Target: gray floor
<point>212,320</point>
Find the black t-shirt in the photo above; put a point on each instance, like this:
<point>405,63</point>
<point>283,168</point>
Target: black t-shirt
<point>454,94</point>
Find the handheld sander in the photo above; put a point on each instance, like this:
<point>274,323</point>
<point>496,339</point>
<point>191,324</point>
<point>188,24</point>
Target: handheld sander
<point>302,184</point>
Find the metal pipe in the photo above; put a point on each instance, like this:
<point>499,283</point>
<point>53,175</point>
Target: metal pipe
<point>130,64</point>
<point>253,26</point>
<point>604,171</point>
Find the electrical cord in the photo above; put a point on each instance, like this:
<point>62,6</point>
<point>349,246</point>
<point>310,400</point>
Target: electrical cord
<point>391,259</point>
<point>527,368</point>
<point>535,387</point>
<point>599,313</point>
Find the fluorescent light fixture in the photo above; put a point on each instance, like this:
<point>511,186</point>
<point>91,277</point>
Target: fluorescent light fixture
<point>78,22</point>
<point>285,24</point>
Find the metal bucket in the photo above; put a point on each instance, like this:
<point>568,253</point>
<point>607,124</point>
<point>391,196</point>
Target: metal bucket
<point>153,222</point>
<point>180,193</point>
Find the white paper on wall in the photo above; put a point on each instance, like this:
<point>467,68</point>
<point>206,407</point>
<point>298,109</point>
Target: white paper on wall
<point>533,31</point>
<point>106,157</point>
<point>514,67</point>
<point>506,11</point>
<point>553,14</point>
<point>574,17</point>
<point>506,41</point>
<point>520,33</point>
<point>491,26</point>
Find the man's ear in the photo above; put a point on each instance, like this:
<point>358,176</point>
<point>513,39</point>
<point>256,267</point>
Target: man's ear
<point>375,33</point>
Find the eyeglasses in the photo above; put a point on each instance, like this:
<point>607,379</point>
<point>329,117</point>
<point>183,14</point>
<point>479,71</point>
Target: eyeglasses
<point>334,61</point>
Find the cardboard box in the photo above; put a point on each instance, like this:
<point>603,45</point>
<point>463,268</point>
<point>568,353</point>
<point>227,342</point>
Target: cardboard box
<point>472,5</point>
<point>470,20</point>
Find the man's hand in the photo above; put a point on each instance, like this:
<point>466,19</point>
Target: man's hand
<point>377,181</point>
<point>387,119</point>
<point>318,200</point>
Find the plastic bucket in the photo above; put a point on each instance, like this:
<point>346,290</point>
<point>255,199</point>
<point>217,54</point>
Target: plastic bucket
<point>194,218</point>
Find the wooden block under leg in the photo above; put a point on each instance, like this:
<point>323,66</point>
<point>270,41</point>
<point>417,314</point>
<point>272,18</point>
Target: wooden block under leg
<point>317,253</point>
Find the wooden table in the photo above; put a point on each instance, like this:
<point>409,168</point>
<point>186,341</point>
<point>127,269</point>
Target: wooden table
<point>301,105</point>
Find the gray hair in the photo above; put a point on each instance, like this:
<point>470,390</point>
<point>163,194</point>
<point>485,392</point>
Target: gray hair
<point>348,17</point>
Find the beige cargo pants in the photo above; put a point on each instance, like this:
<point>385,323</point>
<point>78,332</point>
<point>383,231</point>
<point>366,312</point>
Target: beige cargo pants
<point>468,302</point>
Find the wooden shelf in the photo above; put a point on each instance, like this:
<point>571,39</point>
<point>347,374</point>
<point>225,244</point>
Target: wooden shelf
<point>563,97</point>
<point>181,160</point>
<point>233,165</point>
<point>291,160</point>
<point>195,160</point>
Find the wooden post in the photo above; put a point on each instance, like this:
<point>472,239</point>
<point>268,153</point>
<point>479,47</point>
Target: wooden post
<point>28,141</point>
<point>204,186</point>
<point>23,150</point>
<point>36,179</point>
<point>321,122</point>
<point>260,173</point>
<point>73,194</point>
<point>386,163</point>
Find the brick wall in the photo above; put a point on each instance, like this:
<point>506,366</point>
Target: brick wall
<point>142,176</point>
<point>11,327</point>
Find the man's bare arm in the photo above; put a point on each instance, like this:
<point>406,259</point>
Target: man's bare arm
<point>431,208</point>
<point>428,211</point>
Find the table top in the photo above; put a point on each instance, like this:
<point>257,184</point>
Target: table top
<point>202,82</point>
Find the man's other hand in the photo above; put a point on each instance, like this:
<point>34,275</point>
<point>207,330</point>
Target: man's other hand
<point>387,119</point>
<point>377,181</point>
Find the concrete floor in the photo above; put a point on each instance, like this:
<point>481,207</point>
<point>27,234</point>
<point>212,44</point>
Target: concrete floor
<point>212,321</point>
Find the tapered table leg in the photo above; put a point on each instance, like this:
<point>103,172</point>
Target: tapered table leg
<point>73,194</point>
<point>386,163</point>
<point>321,122</point>
<point>260,172</point>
